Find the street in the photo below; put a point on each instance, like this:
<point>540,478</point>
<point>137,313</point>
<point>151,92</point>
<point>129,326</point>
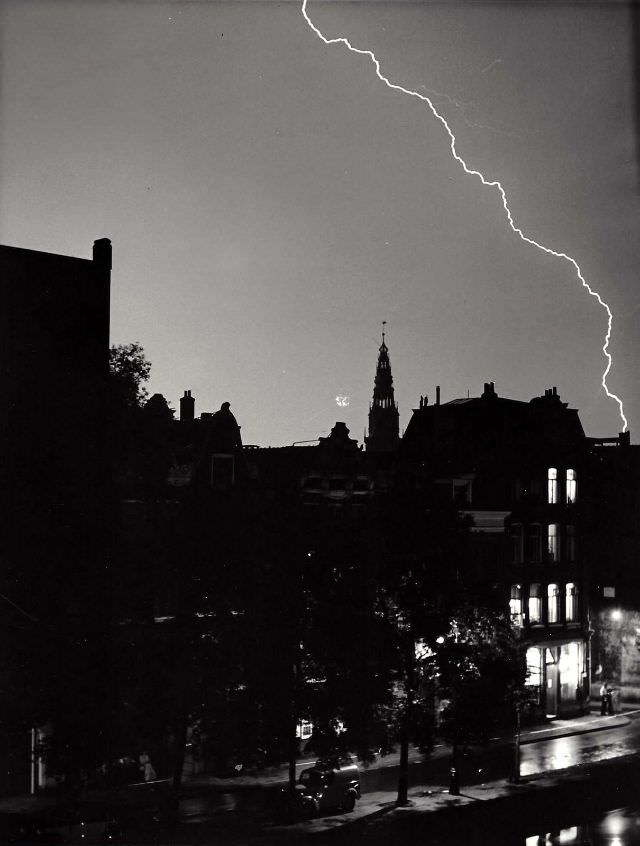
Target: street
<point>475,767</point>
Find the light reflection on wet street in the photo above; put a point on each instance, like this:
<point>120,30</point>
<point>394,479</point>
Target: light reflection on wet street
<point>563,752</point>
<point>620,827</point>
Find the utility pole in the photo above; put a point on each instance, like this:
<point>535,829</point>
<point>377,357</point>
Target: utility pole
<point>293,728</point>
<point>516,748</point>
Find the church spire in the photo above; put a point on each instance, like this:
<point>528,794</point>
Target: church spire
<point>384,423</point>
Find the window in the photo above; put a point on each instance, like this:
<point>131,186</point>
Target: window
<point>313,482</point>
<point>571,603</point>
<point>552,542</point>
<point>517,541</point>
<point>533,543</point>
<point>222,471</point>
<point>336,484</point>
<point>570,544</point>
<point>515,605</point>
<point>553,603</point>
<point>572,486</point>
<point>535,604</point>
<point>534,667</point>
<point>552,485</point>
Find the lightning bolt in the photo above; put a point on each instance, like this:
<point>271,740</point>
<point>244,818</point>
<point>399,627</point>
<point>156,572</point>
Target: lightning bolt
<point>488,184</point>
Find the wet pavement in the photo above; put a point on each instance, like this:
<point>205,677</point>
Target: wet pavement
<point>238,810</point>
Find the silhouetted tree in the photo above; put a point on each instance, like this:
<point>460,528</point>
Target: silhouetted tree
<point>129,371</point>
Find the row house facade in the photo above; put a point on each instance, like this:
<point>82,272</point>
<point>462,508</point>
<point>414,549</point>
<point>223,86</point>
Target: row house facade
<point>515,468</point>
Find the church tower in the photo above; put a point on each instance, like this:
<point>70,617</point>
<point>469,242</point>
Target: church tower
<point>384,422</point>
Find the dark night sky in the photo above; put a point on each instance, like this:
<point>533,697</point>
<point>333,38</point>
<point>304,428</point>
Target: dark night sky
<point>270,201</point>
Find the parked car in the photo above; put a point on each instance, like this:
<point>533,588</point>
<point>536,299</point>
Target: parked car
<point>332,784</point>
<point>329,785</point>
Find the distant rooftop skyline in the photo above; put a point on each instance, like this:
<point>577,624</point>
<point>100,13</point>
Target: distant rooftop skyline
<point>270,202</point>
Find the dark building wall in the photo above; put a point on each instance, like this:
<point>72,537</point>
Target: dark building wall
<point>54,349</point>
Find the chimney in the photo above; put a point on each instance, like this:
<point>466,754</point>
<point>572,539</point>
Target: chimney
<point>489,390</point>
<point>187,408</point>
<point>437,394</point>
<point>102,253</point>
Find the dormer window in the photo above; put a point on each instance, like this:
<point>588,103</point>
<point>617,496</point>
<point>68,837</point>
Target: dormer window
<point>552,485</point>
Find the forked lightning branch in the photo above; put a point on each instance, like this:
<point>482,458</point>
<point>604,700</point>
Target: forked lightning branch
<point>489,184</point>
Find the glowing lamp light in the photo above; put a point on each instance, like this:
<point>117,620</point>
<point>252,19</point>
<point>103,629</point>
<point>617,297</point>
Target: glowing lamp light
<point>440,640</point>
<point>616,614</point>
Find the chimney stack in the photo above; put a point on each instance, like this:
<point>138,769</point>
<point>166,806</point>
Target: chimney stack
<point>437,394</point>
<point>187,408</point>
<point>489,390</point>
<point>102,253</point>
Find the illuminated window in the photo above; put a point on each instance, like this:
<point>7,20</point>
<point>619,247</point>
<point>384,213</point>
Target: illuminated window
<point>517,540</point>
<point>515,605</point>
<point>552,485</point>
<point>533,544</point>
<point>535,604</point>
<point>570,546</point>
<point>552,541</point>
<point>553,603</point>
<point>572,486</point>
<point>534,667</point>
<point>571,602</point>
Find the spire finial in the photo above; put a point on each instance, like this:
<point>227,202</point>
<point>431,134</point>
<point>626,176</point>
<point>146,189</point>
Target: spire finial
<point>384,323</point>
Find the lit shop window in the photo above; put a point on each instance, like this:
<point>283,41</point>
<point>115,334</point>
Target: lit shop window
<point>515,605</point>
<point>552,541</point>
<point>571,602</point>
<point>569,666</point>
<point>553,603</point>
<point>571,486</point>
<point>535,604</point>
<point>552,485</point>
